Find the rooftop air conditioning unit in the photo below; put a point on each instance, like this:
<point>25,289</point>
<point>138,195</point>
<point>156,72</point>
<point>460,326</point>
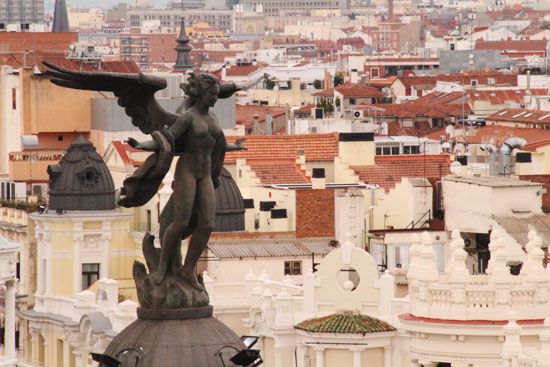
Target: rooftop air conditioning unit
<point>357,114</point>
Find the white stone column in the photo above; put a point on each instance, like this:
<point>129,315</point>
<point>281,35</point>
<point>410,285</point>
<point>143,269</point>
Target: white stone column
<point>388,356</point>
<point>77,267</point>
<point>320,357</point>
<point>356,357</point>
<point>10,355</point>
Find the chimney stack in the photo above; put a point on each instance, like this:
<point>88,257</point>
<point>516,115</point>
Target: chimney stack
<point>318,181</point>
<point>390,9</point>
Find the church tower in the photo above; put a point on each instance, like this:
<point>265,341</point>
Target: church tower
<point>60,17</point>
<point>183,62</point>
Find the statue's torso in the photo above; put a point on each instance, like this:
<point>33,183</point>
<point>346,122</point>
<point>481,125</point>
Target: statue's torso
<point>196,144</point>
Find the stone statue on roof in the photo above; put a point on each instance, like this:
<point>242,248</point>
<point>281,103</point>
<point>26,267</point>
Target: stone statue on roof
<point>196,138</point>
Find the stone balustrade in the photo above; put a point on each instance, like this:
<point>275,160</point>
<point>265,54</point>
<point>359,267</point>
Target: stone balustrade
<point>458,295</point>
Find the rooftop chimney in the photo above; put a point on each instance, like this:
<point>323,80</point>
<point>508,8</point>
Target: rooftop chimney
<point>390,9</point>
<point>318,181</point>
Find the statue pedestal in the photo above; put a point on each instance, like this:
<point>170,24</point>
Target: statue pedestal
<point>174,338</point>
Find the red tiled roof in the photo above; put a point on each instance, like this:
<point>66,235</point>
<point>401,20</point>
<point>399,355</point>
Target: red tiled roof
<point>317,147</point>
<point>440,97</point>
<point>123,149</point>
<point>246,113</point>
<point>358,90</point>
<point>277,171</point>
<point>496,134</point>
<point>17,60</point>
<point>523,45</point>
<point>532,147</point>
<point>383,82</point>
<point>387,171</point>
<point>410,317</point>
<point>419,108</point>
<point>304,110</point>
<point>464,79</point>
<point>324,93</point>
<point>420,129</point>
<point>244,70</point>
<point>37,41</point>
<point>499,96</point>
<point>522,116</point>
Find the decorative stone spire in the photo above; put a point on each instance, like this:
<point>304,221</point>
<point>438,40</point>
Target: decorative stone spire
<point>534,269</point>
<point>414,255</point>
<point>183,62</point>
<point>459,272</point>
<point>429,268</point>
<point>512,344</point>
<point>500,272</point>
<point>455,237</point>
<point>60,17</point>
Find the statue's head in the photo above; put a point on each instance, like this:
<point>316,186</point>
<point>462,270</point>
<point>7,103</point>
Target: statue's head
<point>201,86</point>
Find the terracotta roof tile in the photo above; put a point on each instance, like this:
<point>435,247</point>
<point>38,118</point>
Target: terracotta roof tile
<point>277,171</point>
<point>123,149</point>
<point>500,323</point>
<point>324,93</point>
<point>358,90</point>
<point>503,96</point>
<point>246,113</point>
<point>389,170</point>
<point>37,41</point>
<point>464,79</point>
<point>522,116</point>
<point>345,323</point>
<point>520,45</point>
<point>244,70</point>
<point>496,134</point>
<point>317,147</point>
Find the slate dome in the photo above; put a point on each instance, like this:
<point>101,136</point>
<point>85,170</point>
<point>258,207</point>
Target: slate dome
<point>229,205</point>
<point>81,180</point>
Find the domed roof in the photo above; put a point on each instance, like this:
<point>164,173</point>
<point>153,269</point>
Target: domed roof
<point>81,180</point>
<point>345,323</point>
<point>229,205</point>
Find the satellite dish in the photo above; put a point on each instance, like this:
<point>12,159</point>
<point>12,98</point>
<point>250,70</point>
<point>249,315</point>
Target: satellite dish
<point>456,166</point>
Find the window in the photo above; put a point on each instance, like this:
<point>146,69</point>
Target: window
<point>293,267</point>
<point>59,137</point>
<point>473,83</point>
<point>90,273</point>
<point>411,149</point>
<point>378,151</point>
<point>148,213</point>
<point>386,150</point>
<point>394,150</point>
<point>14,98</point>
<point>352,101</point>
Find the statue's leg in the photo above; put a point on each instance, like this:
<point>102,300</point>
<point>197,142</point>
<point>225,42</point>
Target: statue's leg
<point>184,195</point>
<point>206,221</point>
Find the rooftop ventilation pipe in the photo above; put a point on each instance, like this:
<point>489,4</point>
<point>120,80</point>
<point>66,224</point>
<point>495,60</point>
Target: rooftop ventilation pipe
<point>506,152</point>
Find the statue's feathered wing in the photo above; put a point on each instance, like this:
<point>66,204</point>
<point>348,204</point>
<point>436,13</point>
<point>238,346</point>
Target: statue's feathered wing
<point>135,92</point>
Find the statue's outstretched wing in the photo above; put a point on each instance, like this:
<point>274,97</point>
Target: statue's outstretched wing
<point>135,92</point>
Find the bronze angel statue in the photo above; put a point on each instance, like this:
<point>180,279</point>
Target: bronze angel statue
<point>196,138</point>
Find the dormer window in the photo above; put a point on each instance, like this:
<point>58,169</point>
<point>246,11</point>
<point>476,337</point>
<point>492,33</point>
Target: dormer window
<point>89,178</point>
